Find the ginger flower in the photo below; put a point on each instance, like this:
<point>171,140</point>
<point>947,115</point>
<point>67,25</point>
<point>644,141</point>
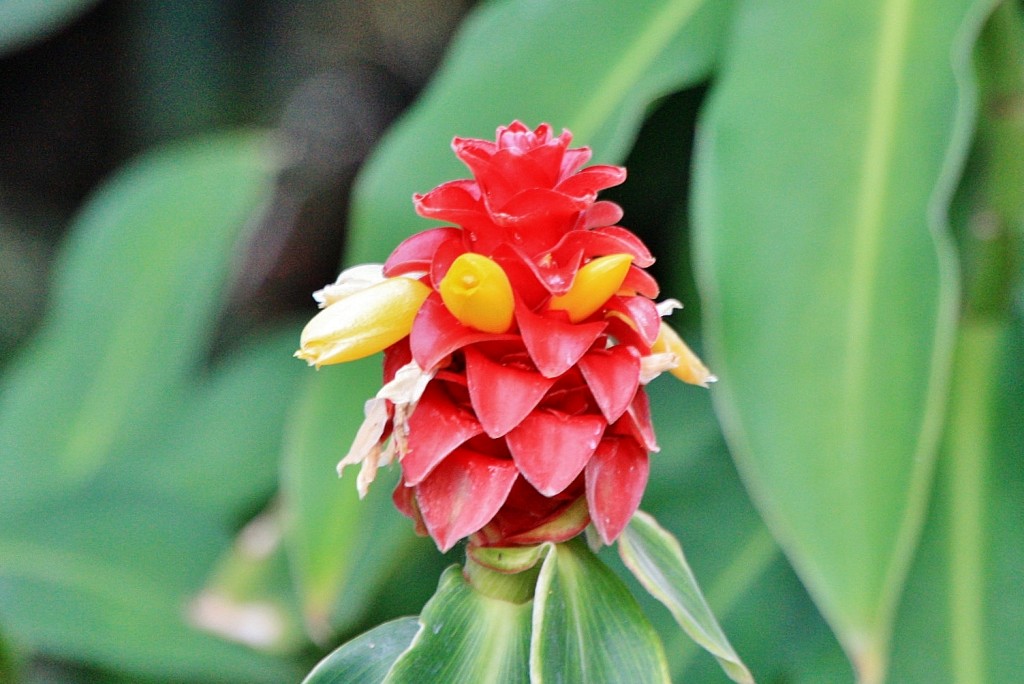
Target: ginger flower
<point>517,341</point>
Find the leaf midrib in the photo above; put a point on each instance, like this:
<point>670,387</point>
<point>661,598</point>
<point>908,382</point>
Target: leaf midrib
<point>649,43</point>
<point>875,174</point>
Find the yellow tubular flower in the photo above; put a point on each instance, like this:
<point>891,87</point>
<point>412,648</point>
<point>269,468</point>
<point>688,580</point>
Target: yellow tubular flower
<point>477,292</point>
<point>593,285</point>
<point>689,369</point>
<point>362,323</point>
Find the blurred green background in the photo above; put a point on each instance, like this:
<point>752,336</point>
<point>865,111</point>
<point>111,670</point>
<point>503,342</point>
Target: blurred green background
<point>844,179</point>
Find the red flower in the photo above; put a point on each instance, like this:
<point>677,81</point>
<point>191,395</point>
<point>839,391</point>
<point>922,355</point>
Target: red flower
<point>513,395</point>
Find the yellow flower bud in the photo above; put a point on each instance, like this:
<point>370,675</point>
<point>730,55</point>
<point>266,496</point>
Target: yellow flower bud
<point>689,368</point>
<point>593,285</point>
<point>477,292</point>
<point>362,323</point>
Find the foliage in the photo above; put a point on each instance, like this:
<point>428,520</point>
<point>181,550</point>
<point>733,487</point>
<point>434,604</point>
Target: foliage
<point>168,509</point>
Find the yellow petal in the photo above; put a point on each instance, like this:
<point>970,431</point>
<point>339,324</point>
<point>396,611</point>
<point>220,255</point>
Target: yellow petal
<point>592,286</point>
<point>362,323</point>
<point>477,292</point>
<point>689,368</point>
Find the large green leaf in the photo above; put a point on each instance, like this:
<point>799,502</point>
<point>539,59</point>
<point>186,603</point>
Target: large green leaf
<point>467,636</point>
<point>128,459</point>
<point>829,284</point>
<point>217,444</point>
<point>138,288</point>
<point>103,574</point>
<point>587,627</point>
<point>367,658</point>
<point>656,560</point>
<point>591,66</point>
<point>105,577</point>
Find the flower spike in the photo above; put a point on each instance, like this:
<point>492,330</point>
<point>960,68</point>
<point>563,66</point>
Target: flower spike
<point>518,340</point>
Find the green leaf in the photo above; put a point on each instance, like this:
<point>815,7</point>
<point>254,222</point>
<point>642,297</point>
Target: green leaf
<point>239,407</point>
<point>138,290</point>
<point>104,578</point>
<point>829,284</point>
<point>656,559</point>
<point>113,508</point>
<point>367,658</point>
<point>592,66</point>
<point>25,21</point>
<point>466,636</point>
<point>106,575</point>
<point>339,546</point>
<point>587,627</point>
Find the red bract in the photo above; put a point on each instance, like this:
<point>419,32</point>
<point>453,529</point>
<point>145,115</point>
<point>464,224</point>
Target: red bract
<point>523,426</point>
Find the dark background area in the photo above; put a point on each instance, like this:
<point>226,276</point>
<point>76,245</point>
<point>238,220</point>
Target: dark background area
<point>123,77</point>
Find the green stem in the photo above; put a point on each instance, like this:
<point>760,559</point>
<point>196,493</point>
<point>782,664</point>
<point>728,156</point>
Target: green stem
<point>990,263</point>
<point>990,248</point>
<point>968,450</point>
<point>512,587</point>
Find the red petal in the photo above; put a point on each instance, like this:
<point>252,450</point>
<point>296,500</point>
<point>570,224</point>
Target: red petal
<point>595,243</point>
<point>616,477</point>
<point>436,333</point>
<point>538,202</point>
<point>636,422</point>
<point>574,159</point>
<point>643,312</point>
<point>625,333</point>
<point>436,428</point>
<point>518,135</point>
<point>396,356</point>
<point>603,213</point>
<point>415,253</point>
<point>556,270</point>
<point>641,282</point>
<point>455,201</point>
<point>473,146</point>
<point>529,517</point>
<point>508,172</point>
<point>554,345</point>
<point>629,244</point>
<point>462,494</point>
<point>613,376</point>
<point>404,499</point>
<point>522,274</point>
<point>552,448</point>
<point>502,396</point>
<point>443,257</point>
<point>591,180</point>
<point>560,526</point>
<point>548,157</point>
